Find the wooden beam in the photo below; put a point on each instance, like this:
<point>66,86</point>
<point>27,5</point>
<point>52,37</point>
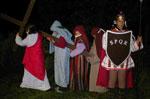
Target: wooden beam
<point>27,15</point>
<point>21,24</point>
<point>28,12</point>
<point>71,46</point>
<point>10,19</point>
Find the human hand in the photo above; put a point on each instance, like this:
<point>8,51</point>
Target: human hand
<point>17,34</point>
<point>139,41</point>
<point>49,38</point>
<point>139,38</point>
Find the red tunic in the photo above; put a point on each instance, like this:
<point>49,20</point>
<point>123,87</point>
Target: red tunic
<point>34,59</point>
<point>103,74</point>
<point>61,42</point>
<point>79,79</point>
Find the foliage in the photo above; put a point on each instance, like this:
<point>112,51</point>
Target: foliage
<point>10,56</point>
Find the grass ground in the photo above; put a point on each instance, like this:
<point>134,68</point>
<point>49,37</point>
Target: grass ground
<point>9,89</point>
<point>10,81</point>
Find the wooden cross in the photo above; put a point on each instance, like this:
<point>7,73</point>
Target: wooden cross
<point>22,23</point>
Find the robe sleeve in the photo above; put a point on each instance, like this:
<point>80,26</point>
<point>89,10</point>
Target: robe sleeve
<point>91,54</point>
<point>51,48</point>
<point>61,42</point>
<point>21,42</point>
<point>30,40</point>
<point>80,47</point>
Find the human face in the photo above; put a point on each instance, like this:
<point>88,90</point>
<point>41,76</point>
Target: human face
<point>77,34</point>
<point>120,22</point>
<point>94,36</point>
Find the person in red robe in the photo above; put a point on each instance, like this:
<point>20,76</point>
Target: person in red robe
<point>35,75</point>
<point>79,68</point>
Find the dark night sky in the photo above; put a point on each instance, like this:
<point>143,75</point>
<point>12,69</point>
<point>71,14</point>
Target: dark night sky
<point>71,13</point>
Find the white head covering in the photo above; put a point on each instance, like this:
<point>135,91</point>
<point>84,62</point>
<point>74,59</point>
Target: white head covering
<point>62,31</point>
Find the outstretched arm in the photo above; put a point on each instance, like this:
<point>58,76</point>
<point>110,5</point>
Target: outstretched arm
<point>80,47</point>
<point>60,42</point>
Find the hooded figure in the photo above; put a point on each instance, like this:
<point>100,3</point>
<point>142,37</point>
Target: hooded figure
<point>62,54</point>
<point>79,67</point>
<point>94,59</point>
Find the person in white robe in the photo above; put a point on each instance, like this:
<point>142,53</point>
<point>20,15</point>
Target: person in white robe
<point>33,79</point>
<point>61,56</point>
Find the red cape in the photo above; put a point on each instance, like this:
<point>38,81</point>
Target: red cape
<point>34,59</point>
<point>103,74</point>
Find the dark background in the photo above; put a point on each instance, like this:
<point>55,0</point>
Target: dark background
<point>70,13</point>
